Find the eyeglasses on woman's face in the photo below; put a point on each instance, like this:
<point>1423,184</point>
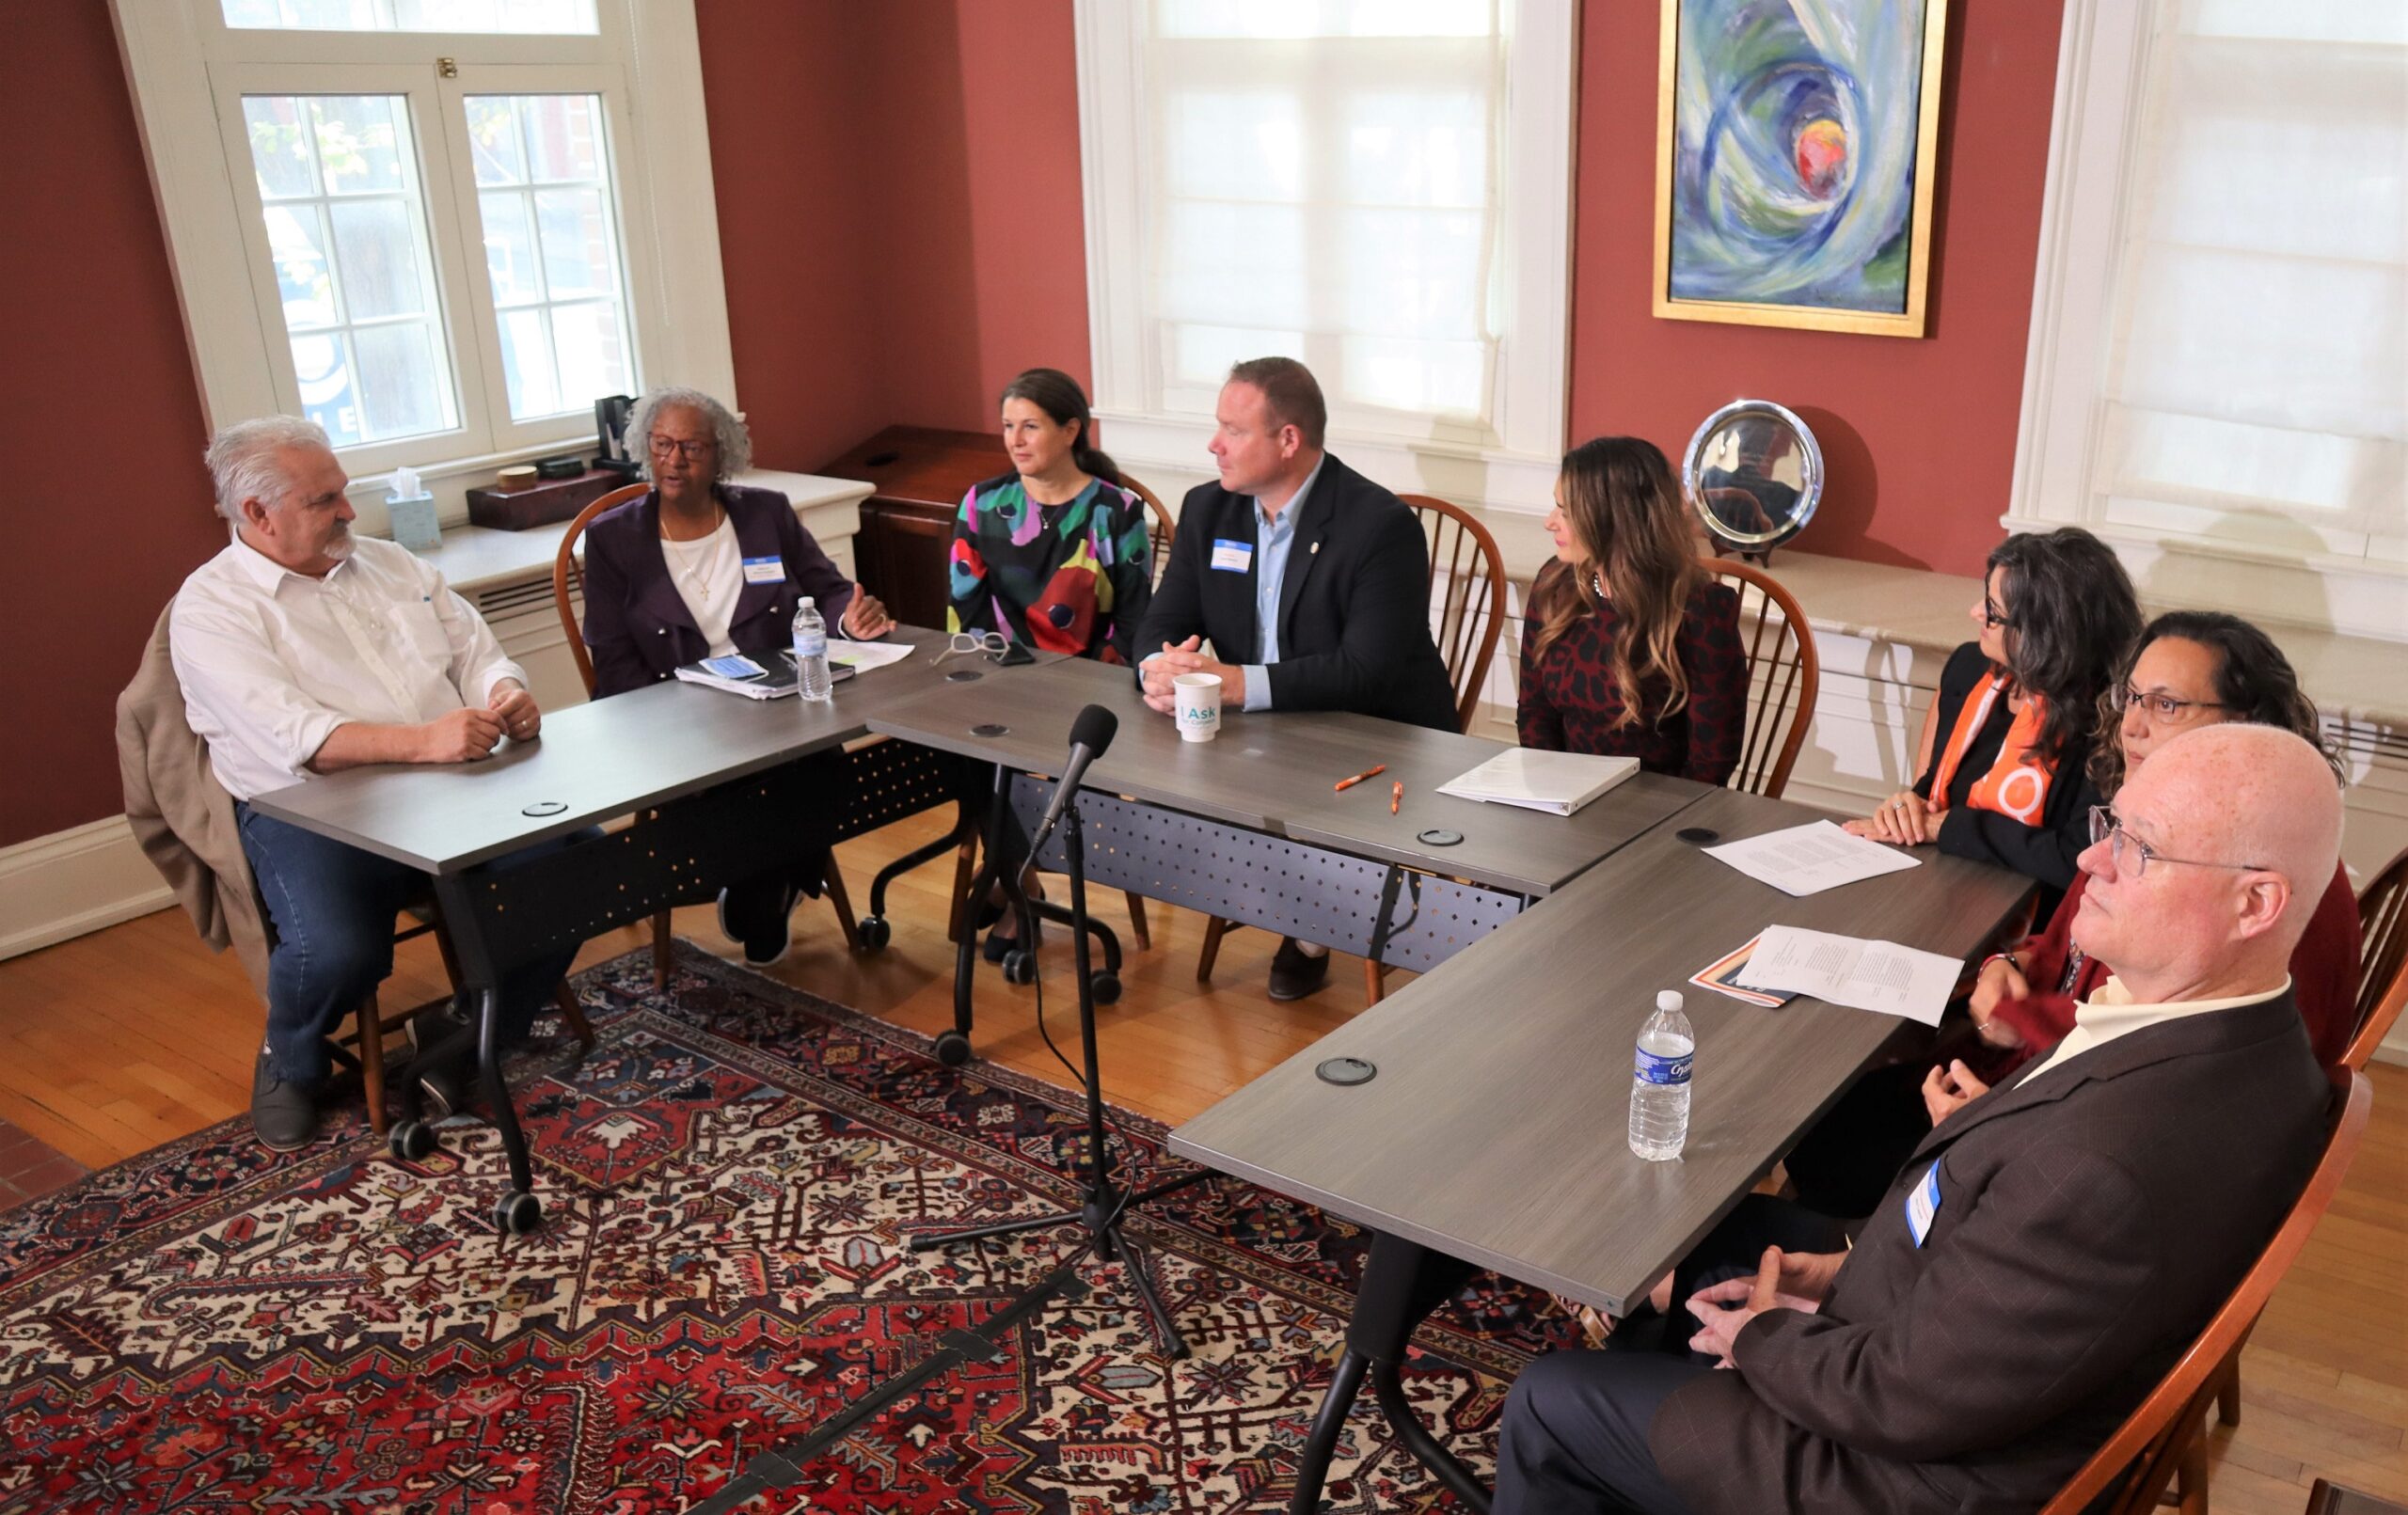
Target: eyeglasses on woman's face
<point>2161,708</point>
<point>2134,856</point>
<point>672,446</point>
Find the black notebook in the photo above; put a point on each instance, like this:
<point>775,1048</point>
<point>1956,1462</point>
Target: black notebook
<point>770,676</point>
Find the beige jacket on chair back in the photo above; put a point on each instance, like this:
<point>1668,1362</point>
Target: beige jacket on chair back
<point>180,814</point>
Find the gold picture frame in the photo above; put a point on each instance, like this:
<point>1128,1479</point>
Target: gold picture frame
<point>1806,314</point>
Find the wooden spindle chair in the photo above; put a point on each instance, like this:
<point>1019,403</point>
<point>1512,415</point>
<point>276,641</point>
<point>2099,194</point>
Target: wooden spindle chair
<point>2166,1435</point>
<point>568,579</point>
<point>1784,677</point>
<point>1160,529</point>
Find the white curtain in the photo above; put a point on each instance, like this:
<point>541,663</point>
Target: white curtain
<point>2257,387</point>
<point>1326,186</point>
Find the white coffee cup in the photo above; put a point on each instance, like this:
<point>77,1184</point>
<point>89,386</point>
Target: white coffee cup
<point>1195,698</point>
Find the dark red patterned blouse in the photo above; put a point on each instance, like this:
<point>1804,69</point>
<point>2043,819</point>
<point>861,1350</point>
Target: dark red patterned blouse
<point>1569,700</point>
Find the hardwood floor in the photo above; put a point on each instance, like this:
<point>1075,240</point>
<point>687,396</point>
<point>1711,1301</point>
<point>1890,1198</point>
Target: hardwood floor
<point>116,1042</point>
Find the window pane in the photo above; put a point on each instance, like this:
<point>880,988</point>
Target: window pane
<point>346,234</point>
<point>527,364</point>
<point>493,141</point>
<point>378,258</point>
<point>509,248</point>
<point>280,152</point>
<point>358,141</point>
<point>541,16</point>
<point>552,253</point>
<point>397,383</point>
<point>594,359</point>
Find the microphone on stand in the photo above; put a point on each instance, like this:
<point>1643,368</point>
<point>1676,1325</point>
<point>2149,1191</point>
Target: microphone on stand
<point>1090,736</point>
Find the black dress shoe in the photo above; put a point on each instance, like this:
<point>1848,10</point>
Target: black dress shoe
<point>443,1086</point>
<point>1294,974</point>
<point>284,1111</point>
<point>759,918</point>
<point>999,946</point>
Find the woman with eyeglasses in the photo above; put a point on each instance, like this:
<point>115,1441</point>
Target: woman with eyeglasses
<point>2012,726</point>
<point>2187,669</point>
<point>701,568</point>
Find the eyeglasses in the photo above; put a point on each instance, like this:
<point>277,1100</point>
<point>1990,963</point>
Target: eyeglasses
<point>2133,856</point>
<point>665,446</point>
<point>994,643</point>
<point>1993,616</point>
<point>2158,707</point>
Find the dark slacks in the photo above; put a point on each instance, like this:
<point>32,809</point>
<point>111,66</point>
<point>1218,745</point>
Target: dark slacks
<point>1575,1433</point>
<point>332,907</point>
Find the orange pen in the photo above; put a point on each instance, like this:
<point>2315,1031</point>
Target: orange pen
<point>1396,797</point>
<point>1372,772</point>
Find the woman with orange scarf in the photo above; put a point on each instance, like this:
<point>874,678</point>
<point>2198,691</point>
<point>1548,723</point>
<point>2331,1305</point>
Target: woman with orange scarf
<point>2011,730</point>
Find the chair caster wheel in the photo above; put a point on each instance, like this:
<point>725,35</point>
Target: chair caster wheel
<point>953,1049</point>
<point>410,1140</point>
<point>517,1214</point>
<point>875,933</point>
<point>1020,966</point>
<point>1105,985</point>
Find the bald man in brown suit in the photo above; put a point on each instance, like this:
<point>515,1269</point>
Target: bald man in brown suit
<point>2048,1249</point>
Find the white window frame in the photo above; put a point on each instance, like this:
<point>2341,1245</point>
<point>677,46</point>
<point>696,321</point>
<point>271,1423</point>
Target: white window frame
<point>1513,469</point>
<point>2104,64</point>
<point>183,61</point>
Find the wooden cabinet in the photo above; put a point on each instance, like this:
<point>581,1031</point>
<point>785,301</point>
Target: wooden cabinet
<point>918,475</point>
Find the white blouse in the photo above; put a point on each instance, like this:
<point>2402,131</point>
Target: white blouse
<point>709,574</point>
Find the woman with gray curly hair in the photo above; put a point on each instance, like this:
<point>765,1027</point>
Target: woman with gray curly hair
<point>701,568</point>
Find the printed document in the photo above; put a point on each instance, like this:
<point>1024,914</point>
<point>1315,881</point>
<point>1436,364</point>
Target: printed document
<point>1808,859</point>
<point>1867,975</point>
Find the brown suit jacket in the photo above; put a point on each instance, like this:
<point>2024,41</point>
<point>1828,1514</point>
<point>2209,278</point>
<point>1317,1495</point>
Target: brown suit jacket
<point>180,814</point>
<point>2089,1223</point>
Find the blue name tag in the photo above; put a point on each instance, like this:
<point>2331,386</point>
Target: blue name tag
<point>1233,556</point>
<point>1923,1203</point>
<point>763,570</point>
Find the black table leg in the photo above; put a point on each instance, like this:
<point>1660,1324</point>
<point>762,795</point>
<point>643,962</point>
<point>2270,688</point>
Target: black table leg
<point>1402,1281</point>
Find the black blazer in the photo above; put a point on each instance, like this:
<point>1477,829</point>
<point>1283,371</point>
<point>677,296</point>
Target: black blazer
<point>1354,604</point>
<point>2045,852</point>
<point>2090,1222</point>
<point>637,625</point>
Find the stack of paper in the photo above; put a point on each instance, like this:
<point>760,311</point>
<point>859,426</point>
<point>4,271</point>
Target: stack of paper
<point>1868,976</point>
<point>1557,782</point>
<point>866,655</point>
<point>1807,860</point>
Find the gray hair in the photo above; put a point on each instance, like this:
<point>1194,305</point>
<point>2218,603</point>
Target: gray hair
<point>735,442</point>
<point>243,463</point>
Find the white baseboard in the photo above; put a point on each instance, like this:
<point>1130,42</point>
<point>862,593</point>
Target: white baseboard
<point>73,881</point>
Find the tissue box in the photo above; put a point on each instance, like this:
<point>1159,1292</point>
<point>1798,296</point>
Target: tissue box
<point>413,523</point>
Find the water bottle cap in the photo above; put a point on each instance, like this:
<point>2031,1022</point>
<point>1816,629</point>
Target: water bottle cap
<point>805,603</point>
<point>1669,999</point>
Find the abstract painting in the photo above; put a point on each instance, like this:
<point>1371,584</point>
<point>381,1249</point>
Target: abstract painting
<point>1797,141</point>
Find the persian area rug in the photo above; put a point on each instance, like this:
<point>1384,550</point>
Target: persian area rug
<point>728,1179</point>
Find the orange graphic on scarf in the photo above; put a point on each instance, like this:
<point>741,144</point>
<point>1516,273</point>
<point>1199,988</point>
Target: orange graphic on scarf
<point>2018,782</point>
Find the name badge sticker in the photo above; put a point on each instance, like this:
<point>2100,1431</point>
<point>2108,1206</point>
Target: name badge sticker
<point>1232,557</point>
<point>1923,1203</point>
<point>763,570</point>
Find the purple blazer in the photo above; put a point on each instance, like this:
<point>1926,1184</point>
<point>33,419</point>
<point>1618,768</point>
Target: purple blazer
<point>636,623</point>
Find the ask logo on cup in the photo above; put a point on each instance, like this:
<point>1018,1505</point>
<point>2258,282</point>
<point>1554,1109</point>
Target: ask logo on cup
<point>1196,701</point>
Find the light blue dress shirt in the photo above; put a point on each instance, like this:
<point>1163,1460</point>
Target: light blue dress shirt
<point>1273,535</point>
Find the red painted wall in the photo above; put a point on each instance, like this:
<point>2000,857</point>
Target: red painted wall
<point>1918,436</point>
<point>105,500</point>
<point>901,228</point>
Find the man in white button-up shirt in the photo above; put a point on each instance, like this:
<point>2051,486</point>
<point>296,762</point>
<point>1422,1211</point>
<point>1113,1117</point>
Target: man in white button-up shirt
<point>304,650</point>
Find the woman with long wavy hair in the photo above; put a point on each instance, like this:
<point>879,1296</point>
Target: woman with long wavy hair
<point>2011,731</point>
<point>1629,648</point>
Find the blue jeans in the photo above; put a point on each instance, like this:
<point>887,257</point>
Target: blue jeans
<point>332,907</point>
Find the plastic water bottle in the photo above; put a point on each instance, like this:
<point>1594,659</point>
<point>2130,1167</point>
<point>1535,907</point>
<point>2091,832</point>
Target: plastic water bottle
<point>1659,1081</point>
<point>811,651</point>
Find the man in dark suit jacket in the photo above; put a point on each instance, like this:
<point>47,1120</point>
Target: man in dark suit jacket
<point>2049,1249</point>
<point>1311,583</point>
